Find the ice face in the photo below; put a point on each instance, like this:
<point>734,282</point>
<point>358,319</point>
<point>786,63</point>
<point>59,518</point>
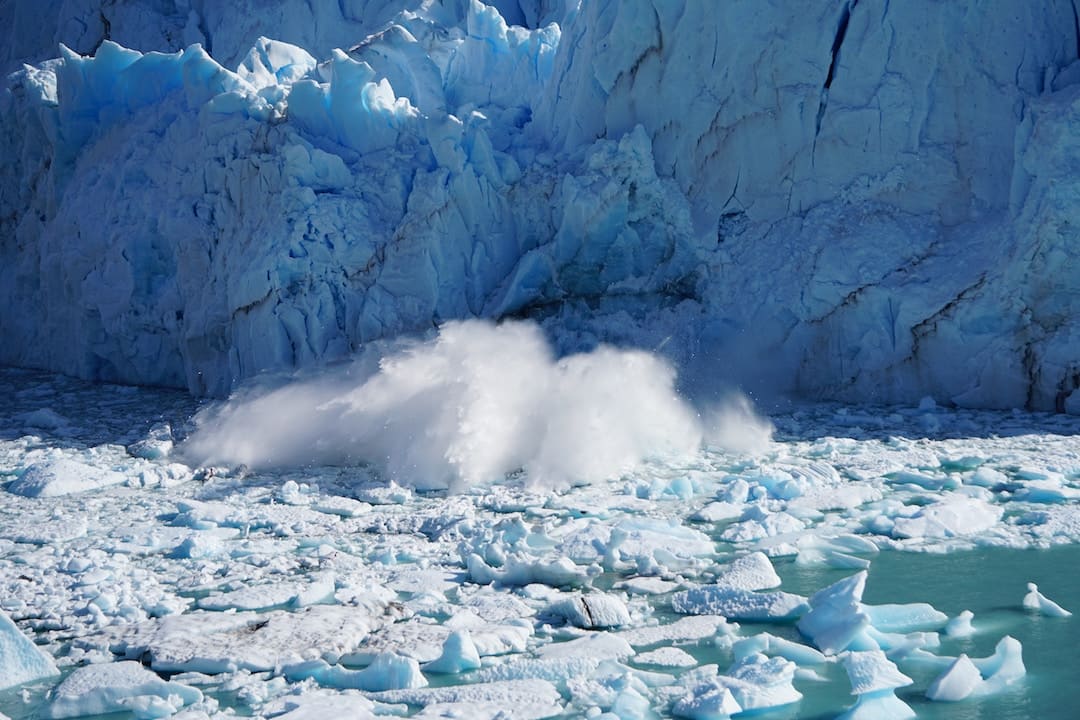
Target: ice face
<point>861,227</point>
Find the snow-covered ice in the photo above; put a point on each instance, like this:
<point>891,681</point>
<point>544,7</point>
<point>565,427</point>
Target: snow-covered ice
<point>118,687</point>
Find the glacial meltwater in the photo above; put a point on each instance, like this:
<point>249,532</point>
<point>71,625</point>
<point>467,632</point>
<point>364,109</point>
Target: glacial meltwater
<point>990,582</point>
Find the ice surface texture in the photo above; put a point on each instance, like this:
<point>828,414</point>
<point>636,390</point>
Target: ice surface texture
<point>317,593</point>
<point>20,660</point>
<point>890,208</point>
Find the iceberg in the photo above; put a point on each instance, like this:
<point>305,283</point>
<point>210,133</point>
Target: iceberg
<point>965,677</point>
<point>1035,600</point>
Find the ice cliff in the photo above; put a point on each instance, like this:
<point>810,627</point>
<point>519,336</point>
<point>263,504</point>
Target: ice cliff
<point>854,199</point>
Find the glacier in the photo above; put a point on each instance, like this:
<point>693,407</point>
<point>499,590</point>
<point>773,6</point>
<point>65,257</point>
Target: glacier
<point>861,200</point>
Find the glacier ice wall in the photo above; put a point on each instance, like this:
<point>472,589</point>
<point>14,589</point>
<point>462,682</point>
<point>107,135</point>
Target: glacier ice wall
<point>861,200</point>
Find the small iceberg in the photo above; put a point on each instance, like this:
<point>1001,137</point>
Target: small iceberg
<point>1035,600</point>
<point>874,678</point>
<point>966,678</point>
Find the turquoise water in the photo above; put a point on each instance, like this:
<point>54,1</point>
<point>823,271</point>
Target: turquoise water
<point>991,583</point>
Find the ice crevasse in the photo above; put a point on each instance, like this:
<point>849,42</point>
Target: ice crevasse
<point>858,199</point>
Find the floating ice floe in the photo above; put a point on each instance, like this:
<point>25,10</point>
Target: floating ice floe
<point>688,629</point>
<point>20,660</point>
<point>771,645</point>
<point>225,642</point>
<point>759,683</point>
<point>592,611</point>
<point>62,476</point>
<point>118,687</point>
<point>387,671</point>
<point>707,699</point>
<point>321,705</point>
<point>955,516</point>
<point>1035,600</point>
<point>739,604</point>
<point>516,699</point>
<point>671,657</point>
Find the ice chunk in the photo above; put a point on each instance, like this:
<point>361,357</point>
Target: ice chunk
<point>519,571</point>
<point>224,642</point>
<point>750,572</point>
<point>697,627</point>
<point>905,618</point>
<point>957,682</point>
<point>596,646</point>
<point>1001,669</point>
<point>706,700</point>
<point>836,621</point>
<point>768,644</point>
<point>20,660</point>
<point>870,671</point>
<point>157,444</point>
<point>459,655</point>
<point>955,516</point>
<point>965,677</point>
<point>758,683</point>
<point>118,687</point>
<point>666,657</point>
<point>388,671</point>
<point>738,604</point>
<point>1035,600</point>
<point>834,551</point>
<point>317,706</point>
<point>592,611</point>
<point>523,699</point>
<point>62,476</point>
<point>960,626</point>
<point>874,679</point>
